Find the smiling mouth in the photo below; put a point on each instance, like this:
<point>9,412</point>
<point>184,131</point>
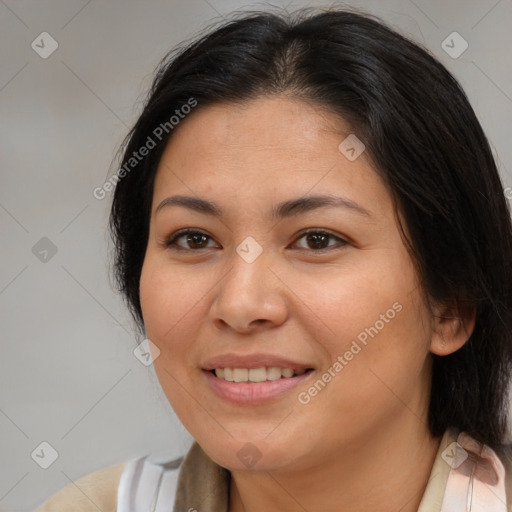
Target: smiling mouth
<point>255,375</point>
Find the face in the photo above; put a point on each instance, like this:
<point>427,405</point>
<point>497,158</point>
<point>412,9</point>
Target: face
<point>269,277</point>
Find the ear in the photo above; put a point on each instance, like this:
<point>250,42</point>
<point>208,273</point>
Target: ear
<point>452,327</point>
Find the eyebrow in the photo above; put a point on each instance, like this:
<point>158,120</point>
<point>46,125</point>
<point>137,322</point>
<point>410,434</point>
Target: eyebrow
<point>290,208</point>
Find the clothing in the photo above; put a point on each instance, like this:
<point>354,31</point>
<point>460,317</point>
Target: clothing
<point>465,477</point>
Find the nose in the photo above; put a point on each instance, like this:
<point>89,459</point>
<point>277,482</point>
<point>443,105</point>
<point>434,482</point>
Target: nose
<point>249,297</point>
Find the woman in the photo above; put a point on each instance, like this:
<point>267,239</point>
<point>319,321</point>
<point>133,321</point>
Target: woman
<point>311,232</point>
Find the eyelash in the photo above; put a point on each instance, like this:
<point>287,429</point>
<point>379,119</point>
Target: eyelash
<point>170,243</point>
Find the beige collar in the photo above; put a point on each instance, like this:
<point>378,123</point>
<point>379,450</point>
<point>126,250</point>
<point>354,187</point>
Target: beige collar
<point>465,476</point>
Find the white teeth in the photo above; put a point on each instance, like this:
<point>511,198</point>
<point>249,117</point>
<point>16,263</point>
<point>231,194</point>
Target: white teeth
<point>255,374</point>
<point>240,374</point>
<point>273,373</point>
<point>287,372</point>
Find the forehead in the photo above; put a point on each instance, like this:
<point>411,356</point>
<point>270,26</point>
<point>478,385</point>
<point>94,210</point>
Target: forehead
<point>279,127</point>
<point>267,147</point>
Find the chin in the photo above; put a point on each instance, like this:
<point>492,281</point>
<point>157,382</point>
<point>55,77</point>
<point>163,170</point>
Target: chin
<point>253,454</point>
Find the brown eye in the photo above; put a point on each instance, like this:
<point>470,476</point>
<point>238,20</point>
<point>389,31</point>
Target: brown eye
<point>316,240</point>
<point>194,240</point>
<point>319,240</point>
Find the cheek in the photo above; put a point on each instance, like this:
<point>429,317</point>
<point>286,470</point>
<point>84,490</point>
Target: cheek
<point>345,304</point>
<point>172,310</point>
<point>374,319</point>
<point>170,302</point>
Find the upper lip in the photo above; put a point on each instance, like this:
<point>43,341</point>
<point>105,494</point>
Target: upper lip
<point>252,361</point>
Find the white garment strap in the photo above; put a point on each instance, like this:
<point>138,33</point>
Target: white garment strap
<point>147,486</point>
<point>476,482</point>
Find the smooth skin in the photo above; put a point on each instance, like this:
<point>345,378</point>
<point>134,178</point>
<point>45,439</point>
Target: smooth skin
<point>362,443</point>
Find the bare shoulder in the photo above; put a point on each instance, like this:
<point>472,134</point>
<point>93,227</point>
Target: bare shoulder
<point>97,490</point>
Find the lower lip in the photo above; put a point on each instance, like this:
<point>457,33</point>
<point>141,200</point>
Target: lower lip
<point>252,393</point>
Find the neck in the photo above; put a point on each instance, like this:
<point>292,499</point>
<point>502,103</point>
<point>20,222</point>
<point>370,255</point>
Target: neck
<point>391,468</point>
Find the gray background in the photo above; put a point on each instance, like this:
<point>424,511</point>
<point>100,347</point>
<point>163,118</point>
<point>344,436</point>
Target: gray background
<point>68,373</point>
